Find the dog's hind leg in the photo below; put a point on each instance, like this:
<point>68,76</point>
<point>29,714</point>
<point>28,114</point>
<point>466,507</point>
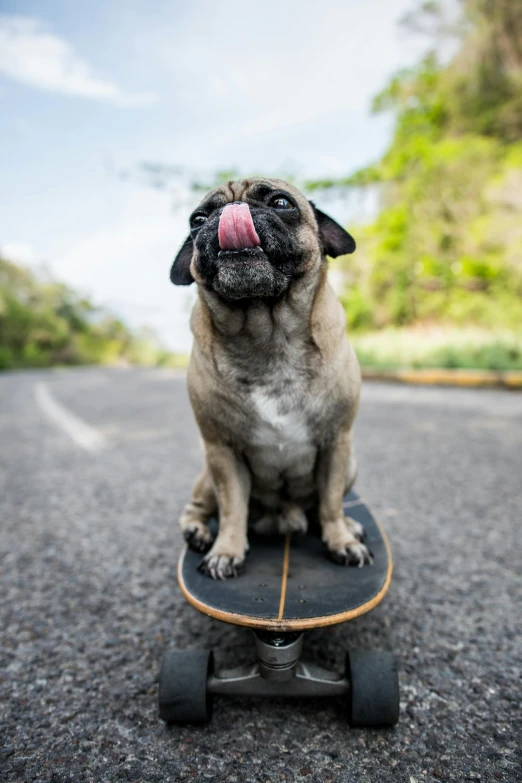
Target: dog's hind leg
<point>266,525</point>
<point>193,519</point>
<point>290,518</point>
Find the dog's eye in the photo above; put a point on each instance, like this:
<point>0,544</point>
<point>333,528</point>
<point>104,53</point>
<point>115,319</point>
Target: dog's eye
<point>197,220</point>
<point>280,202</point>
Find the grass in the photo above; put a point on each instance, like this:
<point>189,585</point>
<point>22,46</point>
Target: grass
<point>439,347</point>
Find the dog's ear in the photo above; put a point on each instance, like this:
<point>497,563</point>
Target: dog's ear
<point>180,270</point>
<point>336,240</point>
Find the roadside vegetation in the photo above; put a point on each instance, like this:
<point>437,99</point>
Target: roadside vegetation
<point>419,347</point>
<point>44,323</point>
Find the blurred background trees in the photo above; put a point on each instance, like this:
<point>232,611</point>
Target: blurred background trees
<point>446,246</point>
<point>43,322</point>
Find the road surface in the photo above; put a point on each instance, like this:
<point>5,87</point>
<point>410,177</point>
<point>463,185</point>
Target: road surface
<point>95,465</point>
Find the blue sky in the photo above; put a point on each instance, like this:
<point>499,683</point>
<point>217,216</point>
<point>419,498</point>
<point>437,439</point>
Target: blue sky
<point>90,89</point>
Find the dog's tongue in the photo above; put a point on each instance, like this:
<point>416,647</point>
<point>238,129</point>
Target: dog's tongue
<point>236,228</point>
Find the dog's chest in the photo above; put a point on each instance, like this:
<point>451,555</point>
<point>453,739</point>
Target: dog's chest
<point>277,421</point>
<point>280,431</point>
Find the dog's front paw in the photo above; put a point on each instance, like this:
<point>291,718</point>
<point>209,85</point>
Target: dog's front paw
<point>356,554</point>
<point>224,561</point>
<point>355,527</point>
<point>342,540</point>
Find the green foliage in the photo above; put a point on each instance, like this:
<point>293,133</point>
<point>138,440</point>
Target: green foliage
<point>43,322</point>
<point>6,357</point>
<point>447,244</point>
<point>359,314</point>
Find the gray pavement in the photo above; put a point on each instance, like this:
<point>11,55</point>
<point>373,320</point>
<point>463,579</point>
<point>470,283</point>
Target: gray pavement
<point>89,596</point>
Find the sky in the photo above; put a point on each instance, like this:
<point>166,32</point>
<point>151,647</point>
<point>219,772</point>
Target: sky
<point>88,90</point>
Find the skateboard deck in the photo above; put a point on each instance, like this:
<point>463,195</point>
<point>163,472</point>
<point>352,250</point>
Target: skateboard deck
<point>289,583</point>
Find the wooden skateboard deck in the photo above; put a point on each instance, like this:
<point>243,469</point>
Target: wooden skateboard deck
<point>289,583</point>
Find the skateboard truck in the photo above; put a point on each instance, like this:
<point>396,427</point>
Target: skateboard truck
<point>278,672</point>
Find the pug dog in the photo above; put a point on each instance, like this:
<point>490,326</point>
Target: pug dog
<point>273,381</point>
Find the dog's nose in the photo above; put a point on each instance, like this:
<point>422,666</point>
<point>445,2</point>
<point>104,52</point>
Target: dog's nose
<point>236,227</point>
<point>230,203</point>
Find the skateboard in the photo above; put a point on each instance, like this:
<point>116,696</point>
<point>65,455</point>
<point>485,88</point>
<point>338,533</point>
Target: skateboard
<point>289,586</point>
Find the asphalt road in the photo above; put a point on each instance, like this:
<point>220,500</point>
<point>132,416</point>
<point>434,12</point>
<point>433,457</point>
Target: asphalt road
<point>89,544</point>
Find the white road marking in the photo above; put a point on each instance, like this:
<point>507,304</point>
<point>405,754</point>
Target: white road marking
<point>79,431</point>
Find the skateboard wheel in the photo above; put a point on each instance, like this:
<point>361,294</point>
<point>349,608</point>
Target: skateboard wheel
<point>183,696</point>
<point>373,699</point>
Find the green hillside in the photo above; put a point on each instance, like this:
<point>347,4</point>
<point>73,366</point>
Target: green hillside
<point>44,323</point>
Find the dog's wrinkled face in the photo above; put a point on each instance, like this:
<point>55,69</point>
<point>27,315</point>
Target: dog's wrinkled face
<point>253,238</point>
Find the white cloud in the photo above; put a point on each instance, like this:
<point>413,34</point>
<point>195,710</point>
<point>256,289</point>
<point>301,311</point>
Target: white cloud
<point>331,163</point>
<point>19,253</point>
<point>31,54</point>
